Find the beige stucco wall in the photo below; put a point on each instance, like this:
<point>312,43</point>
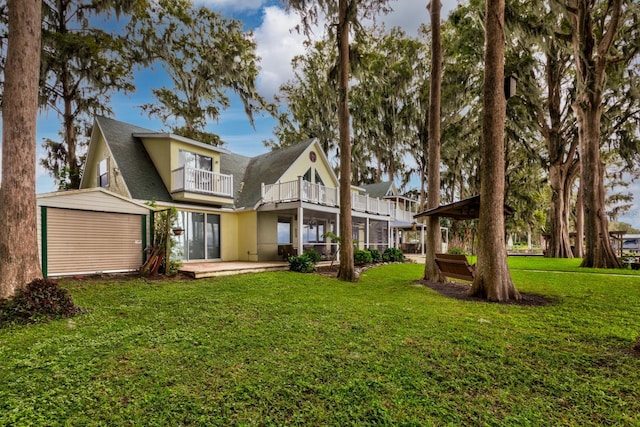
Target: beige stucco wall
<point>247,236</point>
<point>228,236</point>
<point>268,236</point>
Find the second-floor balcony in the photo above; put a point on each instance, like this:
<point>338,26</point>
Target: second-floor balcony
<point>301,190</point>
<point>202,181</point>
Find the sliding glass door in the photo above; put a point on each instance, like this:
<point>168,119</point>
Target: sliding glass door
<point>201,237</point>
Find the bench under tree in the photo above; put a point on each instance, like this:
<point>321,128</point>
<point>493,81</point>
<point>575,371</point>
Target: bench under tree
<point>455,266</point>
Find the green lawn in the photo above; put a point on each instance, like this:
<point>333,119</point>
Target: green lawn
<point>287,348</point>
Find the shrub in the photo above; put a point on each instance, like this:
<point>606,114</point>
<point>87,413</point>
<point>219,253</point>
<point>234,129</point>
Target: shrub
<point>40,300</point>
<point>456,251</point>
<point>376,256</point>
<point>313,255</point>
<point>301,264</point>
<point>361,257</point>
<point>393,255</point>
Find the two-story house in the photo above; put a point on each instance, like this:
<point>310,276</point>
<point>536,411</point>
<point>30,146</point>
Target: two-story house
<point>237,208</point>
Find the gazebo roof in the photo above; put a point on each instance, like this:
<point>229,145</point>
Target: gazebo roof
<point>462,209</point>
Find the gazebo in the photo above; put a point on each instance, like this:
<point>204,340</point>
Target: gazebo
<point>462,209</point>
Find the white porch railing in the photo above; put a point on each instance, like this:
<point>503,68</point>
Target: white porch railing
<point>290,190</point>
<point>202,181</point>
<point>319,194</point>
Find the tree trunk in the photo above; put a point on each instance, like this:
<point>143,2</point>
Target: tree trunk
<point>19,263</point>
<point>559,243</point>
<point>493,280</point>
<point>599,252</point>
<point>434,245</point>
<point>592,59</point>
<point>579,240</point>
<point>347,270</point>
<point>563,163</point>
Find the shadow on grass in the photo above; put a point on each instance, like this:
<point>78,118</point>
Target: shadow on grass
<point>460,291</point>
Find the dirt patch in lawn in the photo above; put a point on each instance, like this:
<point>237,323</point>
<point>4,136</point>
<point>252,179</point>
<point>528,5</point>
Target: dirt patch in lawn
<point>460,291</point>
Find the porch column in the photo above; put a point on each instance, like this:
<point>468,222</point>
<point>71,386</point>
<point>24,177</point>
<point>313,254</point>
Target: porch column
<point>300,226</point>
<point>422,240</point>
<point>337,230</point>
<point>397,244</point>
<point>366,234</point>
<point>389,234</point>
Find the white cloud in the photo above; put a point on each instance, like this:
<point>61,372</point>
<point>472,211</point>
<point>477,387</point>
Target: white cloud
<point>278,43</point>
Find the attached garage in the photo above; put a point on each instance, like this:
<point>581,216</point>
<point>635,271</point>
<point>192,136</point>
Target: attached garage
<point>91,232</point>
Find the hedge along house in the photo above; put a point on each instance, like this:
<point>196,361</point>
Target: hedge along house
<point>91,231</point>
<point>232,207</point>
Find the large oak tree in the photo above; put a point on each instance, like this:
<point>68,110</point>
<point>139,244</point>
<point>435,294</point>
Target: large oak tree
<point>431,271</point>
<point>596,34</point>
<point>19,263</point>
<point>343,16</point>
<point>493,280</point>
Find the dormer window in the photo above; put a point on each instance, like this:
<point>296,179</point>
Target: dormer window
<point>103,173</point>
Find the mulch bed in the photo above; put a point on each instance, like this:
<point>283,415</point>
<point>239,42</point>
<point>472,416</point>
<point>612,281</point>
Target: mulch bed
<point>460,291</point>
<point>456,290</point>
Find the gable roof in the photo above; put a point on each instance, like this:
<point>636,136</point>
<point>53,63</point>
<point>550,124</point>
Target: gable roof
<point>268,167</point>
<point>135,165</point>
<point>378,190</point>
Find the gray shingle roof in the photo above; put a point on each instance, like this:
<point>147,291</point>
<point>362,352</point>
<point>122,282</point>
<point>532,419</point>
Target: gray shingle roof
<point>136,167</point>
<point>267,168</point>
<point>144,182</point>
<point>378,190</point>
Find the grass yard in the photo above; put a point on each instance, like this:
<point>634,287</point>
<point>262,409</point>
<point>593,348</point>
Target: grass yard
<point>286,348</point>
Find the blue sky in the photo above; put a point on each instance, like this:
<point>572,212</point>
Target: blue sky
<point>277,44</point>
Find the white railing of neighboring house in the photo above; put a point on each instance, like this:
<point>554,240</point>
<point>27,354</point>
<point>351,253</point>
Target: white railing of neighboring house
<point>402,215</point>
<point>364,203</point>
<point>202,181</point>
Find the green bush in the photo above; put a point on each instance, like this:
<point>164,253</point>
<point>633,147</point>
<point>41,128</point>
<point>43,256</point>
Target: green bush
<point>376,256</point>
<point>456,251</point>
<point>301,264</point>
<point>41,300</point>
<point>393,255</point>
<point>313,255</point>
<point>361,257</point>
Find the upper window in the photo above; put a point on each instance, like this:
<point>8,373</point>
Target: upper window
<point>103,173</point>
<point>312,172</point>
<point>195,161</point>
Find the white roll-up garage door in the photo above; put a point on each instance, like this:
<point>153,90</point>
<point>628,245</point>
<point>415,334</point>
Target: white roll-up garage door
<point>87,242</point>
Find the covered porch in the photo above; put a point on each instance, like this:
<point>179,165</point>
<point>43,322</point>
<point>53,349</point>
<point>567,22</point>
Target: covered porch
<point>290,228</point>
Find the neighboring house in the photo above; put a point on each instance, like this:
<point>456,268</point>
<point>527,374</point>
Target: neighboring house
<point>631,243</point>
<point>233,207</point>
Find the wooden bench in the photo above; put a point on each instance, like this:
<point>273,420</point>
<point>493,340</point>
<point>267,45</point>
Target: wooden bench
<point>455,266</point>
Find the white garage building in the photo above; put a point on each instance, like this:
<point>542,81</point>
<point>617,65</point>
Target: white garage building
<point>91,231</point>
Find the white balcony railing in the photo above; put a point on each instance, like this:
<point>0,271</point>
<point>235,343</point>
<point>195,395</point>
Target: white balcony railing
<point>291,190</point>
<point>202,181</point>
<point>321,195</point>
